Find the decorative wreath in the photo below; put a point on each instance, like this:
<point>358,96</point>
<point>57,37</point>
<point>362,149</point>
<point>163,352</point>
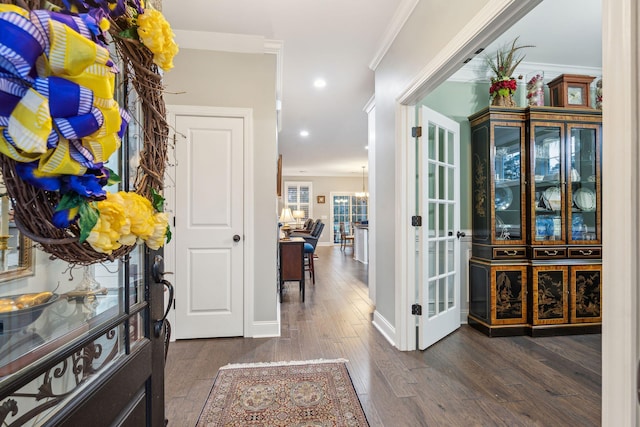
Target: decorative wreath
<point>59,124</point>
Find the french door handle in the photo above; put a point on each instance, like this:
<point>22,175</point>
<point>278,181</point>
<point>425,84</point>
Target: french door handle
<point>460,234</point>
<point>236,238</point>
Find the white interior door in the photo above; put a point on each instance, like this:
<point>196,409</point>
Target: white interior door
<point>439,249</point>
<point>209,219</point>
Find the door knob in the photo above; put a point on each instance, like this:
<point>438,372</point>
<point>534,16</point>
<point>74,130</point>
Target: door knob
<point>460,234</point>
<point>236,238</point>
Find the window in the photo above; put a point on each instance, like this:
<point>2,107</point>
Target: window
<point>349,209</point>
<point>298,197</point>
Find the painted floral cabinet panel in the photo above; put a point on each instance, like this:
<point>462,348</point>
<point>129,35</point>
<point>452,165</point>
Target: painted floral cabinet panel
<point>509,295</point>
<point>586,293</point>
<point>550,295</point>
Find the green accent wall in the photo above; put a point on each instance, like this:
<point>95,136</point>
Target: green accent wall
<point>458,101</point>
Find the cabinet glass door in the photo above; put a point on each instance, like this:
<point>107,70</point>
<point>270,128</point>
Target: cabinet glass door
<point>583,179</point>
<point>508,196</point>
<point>547,154</point>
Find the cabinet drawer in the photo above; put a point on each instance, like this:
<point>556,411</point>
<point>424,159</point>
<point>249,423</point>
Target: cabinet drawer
<point>510,253</point>
<point>549,253</point>
<point>585,252</point>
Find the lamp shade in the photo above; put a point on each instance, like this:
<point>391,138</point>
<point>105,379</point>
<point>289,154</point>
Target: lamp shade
<point>298,214</point>
<point>286,216</point>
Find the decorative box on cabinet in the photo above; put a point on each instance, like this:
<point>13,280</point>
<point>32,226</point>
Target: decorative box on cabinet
<point>570,90</point>
<point>536,219</point>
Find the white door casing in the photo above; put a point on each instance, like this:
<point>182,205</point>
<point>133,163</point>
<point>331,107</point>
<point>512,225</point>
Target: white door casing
<point>438,250</point>
<point>209,212</point>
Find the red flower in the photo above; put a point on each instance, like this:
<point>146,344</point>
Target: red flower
<point>503,86</point>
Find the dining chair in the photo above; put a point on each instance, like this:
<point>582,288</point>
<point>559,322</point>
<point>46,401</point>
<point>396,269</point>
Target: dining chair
<point>346,237</point>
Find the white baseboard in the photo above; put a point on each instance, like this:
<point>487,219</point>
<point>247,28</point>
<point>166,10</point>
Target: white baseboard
<point>268,329</point>
<point>464,316</point>
<point>385,327</point>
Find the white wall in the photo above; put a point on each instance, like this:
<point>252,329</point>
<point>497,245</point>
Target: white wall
<point>242,80</point>
<point>430,27</point>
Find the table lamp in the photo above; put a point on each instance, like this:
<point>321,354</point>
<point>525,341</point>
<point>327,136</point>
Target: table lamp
<point>285,218</point>
<point>298,215</point>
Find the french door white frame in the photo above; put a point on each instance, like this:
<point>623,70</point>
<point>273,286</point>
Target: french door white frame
<point>620,189</point>
<point>496,17</point>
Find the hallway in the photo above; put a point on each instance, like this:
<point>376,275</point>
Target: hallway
<point>467,379</point>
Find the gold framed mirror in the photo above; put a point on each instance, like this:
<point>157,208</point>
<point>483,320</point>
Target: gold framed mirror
<point>16,250</point>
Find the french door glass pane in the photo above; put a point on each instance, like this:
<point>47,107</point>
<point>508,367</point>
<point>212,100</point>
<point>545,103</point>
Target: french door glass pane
<point>431,259</point>
<point>441,145</point>
<point>442,294</point>
<point>432,298</point>
<point>451,280</point>
<point>431,142</point>
<point>442,194</point>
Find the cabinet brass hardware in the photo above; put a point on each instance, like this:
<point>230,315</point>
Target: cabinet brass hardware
<point>551,253</point>
<point>586,253</point>
<point>511,253</point>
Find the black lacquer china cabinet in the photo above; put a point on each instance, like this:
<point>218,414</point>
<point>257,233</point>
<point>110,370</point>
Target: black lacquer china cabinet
<point>536,198</point>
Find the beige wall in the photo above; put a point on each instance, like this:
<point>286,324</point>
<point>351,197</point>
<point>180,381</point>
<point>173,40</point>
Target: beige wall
<point>324,186</point>
<point>431,26</point>
<point>241,80</point>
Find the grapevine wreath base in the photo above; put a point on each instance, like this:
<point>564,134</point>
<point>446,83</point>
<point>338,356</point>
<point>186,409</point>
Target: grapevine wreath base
<point>34,207</point>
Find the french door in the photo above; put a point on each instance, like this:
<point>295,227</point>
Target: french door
<point>347,208</point>
<point>437,247</point>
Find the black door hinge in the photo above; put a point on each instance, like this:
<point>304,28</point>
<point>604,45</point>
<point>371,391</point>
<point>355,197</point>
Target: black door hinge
<point>174,304</point>
<point>416,309</point>
<point>416,221</point>
<point>416,132</point>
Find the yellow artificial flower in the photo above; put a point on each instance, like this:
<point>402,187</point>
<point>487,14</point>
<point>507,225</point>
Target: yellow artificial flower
<point>112,224</point>
<point>157,238</point>
<point>156,34</point>
<point>140,212</point>
<point>125,219</point>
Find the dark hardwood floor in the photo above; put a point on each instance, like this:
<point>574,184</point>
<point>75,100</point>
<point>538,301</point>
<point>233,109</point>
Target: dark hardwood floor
<point>467,379</point>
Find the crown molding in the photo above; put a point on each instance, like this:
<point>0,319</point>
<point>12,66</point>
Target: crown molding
<point>477,71</point>
<point>492,20</point>
<point>238,43</point>
<point>276,47</point>
<point>224,42</point>
<point>371,103</point>
<point>402,13</point>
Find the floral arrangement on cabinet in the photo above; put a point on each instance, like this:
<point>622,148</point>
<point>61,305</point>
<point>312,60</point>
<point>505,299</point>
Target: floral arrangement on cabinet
<point>503,84</point>
<point>60,123</point>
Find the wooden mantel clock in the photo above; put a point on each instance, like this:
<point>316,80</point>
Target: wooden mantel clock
<point>570,90</point>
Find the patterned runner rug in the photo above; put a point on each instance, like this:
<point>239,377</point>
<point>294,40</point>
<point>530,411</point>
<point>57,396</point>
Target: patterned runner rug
<point>304,393</point>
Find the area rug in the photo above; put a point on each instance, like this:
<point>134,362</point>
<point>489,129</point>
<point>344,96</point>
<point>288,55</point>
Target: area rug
<point>302,393</point>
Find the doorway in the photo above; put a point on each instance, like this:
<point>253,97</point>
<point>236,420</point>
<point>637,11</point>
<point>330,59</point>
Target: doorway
<point>209,254</point>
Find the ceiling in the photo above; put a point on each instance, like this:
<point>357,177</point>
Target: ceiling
<point>336,40</point>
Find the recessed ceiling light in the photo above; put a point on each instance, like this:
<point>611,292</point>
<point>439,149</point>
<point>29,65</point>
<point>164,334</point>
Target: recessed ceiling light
<point>304,133</point>
<point>319,83</point>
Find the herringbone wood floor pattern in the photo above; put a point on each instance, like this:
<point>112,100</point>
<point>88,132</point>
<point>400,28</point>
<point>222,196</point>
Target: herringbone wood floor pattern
<point>467,379</point>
